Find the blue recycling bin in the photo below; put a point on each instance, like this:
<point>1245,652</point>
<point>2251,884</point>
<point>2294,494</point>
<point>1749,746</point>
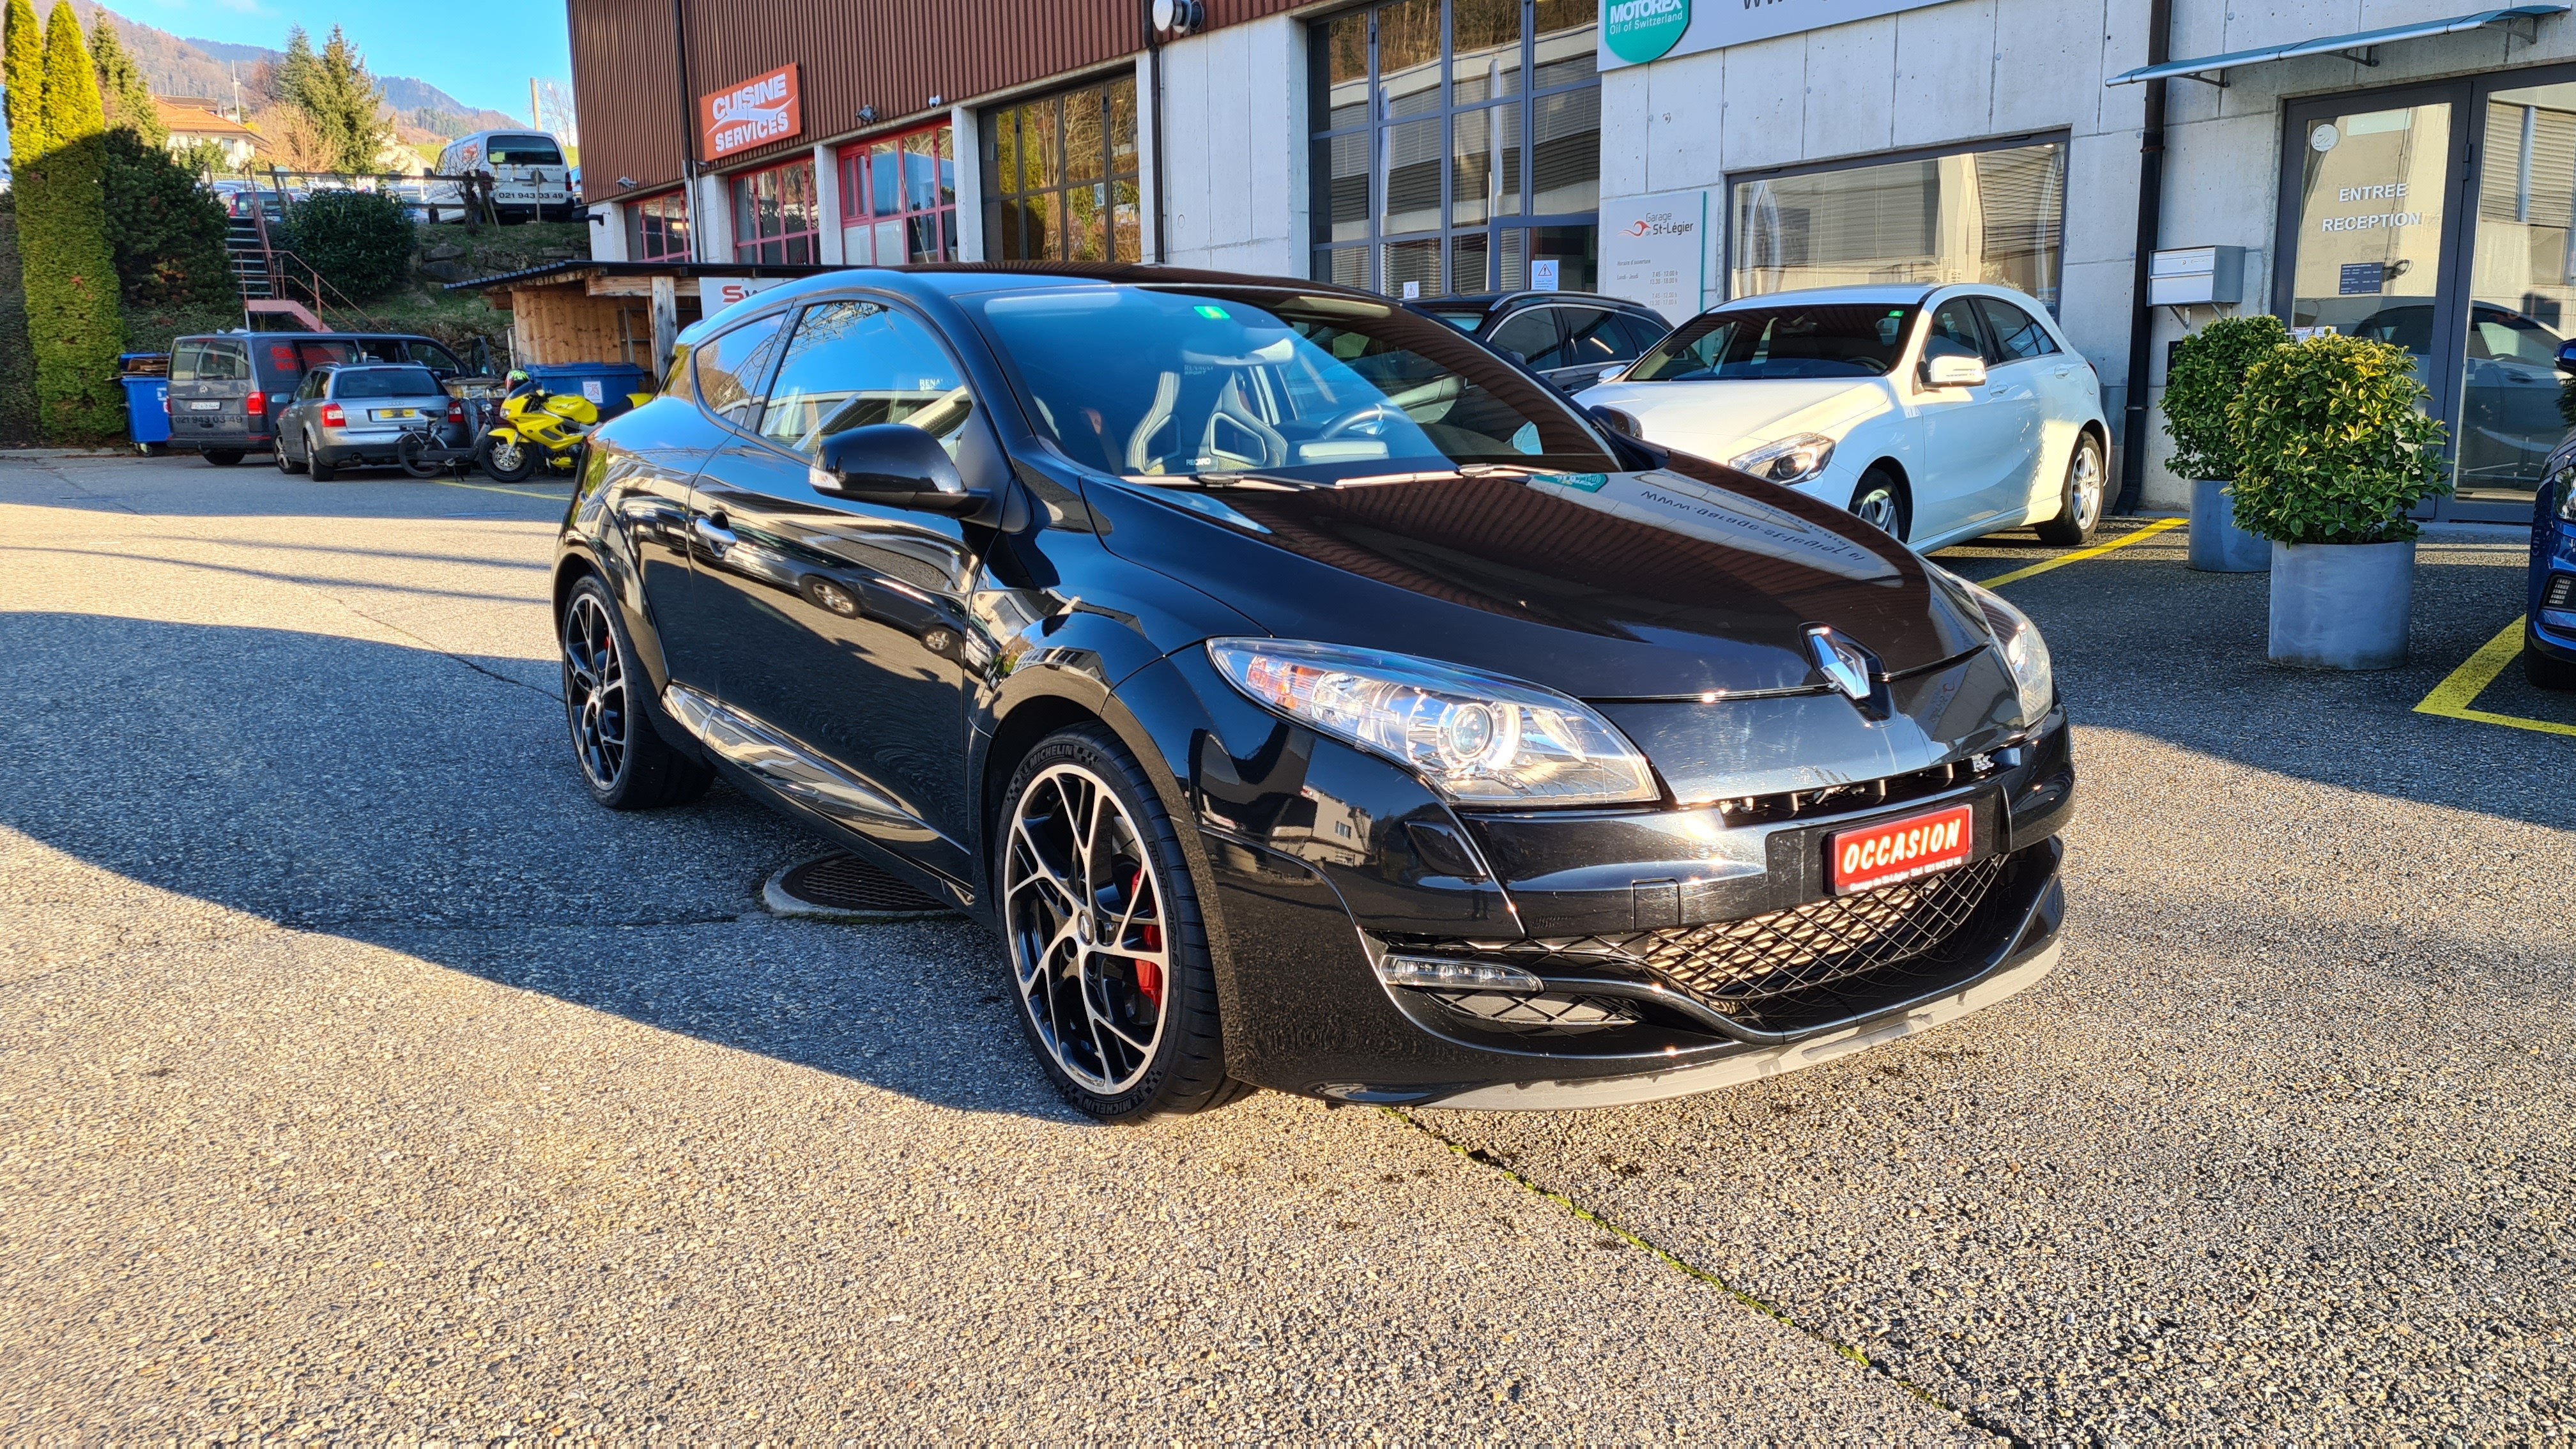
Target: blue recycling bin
<point>604,383</point>
<point>147,409</point>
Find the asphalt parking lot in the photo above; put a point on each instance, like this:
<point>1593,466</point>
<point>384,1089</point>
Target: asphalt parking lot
<point>359,1079</point>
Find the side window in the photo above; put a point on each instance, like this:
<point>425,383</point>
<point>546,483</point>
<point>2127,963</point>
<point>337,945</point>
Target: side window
<point>1532,334</point>
<point>1954,331</point>
<point>1591,336</point>
<point>855,363</point>
<point>1640,333</point>
<point>733,370</point>
<point>2017,335</point>
<point>313,384</point>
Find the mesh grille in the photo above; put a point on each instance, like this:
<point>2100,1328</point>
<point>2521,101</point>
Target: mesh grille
<point>1735,966</point>
<point>2562,592</point>
<point>847,883</point>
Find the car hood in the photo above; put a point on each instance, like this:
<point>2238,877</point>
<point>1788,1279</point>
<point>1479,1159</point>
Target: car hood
<point>1723,420</point>
<point>1674,583</point>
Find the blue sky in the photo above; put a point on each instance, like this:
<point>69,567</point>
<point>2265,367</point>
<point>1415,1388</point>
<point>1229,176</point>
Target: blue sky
<point>479,51</point>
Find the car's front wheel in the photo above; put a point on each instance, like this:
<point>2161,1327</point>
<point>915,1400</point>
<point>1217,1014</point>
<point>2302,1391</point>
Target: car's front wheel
<point>1880,502</point>
<point>1109,955</point>
<point>2079,497</point>
<point>315,460</point>
<point>2545,671</point>
<point>624,761</point>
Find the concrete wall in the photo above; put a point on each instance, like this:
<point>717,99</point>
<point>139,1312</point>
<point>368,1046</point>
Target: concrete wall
<point>1235,146</point>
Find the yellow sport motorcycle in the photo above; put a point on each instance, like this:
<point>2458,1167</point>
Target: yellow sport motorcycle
<point>538,429</point>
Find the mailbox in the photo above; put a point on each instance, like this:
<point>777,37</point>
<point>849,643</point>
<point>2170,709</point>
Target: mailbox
<point>2196,276</point>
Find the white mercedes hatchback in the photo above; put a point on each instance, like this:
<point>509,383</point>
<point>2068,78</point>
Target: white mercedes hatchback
<point>1936,413</point>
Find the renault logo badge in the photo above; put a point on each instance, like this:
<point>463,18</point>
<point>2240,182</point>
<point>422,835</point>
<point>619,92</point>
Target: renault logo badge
<point>1845,664</point>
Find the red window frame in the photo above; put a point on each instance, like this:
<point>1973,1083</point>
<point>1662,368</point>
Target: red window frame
<point>915,206</point>
<point>666,242</point>
<point>794,222</point>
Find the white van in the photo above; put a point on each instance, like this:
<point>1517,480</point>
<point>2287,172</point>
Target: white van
<point>529,177</point>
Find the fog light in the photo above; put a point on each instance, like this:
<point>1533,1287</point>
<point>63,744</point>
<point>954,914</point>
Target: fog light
<point>1444,974</point>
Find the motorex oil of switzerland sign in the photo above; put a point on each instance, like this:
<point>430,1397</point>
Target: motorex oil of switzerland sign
<point>1636,31</point>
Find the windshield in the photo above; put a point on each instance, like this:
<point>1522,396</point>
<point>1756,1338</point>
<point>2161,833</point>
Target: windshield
<point>384,382</point>
<point>1844,339</point>
<point>1258,379</point>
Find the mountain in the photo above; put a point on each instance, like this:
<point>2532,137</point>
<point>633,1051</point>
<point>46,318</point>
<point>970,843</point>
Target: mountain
<point>187,66</point>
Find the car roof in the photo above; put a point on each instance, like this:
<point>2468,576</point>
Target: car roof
<point>1908,293</point>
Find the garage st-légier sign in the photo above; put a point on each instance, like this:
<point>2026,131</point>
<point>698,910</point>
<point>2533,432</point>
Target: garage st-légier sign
<point>762,109</point>
<point>1636,31</point>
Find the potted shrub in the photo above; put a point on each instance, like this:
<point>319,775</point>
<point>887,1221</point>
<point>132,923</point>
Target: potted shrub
<point>2208,370</point>
<point>2331,453</point>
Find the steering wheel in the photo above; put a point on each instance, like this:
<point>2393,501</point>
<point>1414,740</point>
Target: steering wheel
<point>1371,412</point>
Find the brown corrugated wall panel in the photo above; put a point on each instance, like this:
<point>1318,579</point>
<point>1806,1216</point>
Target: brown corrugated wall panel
<point>893,57</point>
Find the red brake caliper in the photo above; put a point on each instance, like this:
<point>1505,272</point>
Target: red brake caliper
<point>1149,976</point>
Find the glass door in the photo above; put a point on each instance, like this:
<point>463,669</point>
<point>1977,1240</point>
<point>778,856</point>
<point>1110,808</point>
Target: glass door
<point>2440,218</point>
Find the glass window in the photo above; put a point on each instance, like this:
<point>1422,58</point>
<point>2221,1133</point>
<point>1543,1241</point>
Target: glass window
<point>733,369</point>
<point>1979,216</point>
<point>2522,280</point>
<point>899,198</point>
<point>2015,335</point>
<point>1223,380</point>
<point>657,228</point>
<point>1954,331</point>
<point>1785,342</point>
<point>524,151</point>
<point>434,357</point>
<point>1641,333</point>
<point>385,382</point>
<point>1458,141</point>
<point>1591,336</point>
<point>856,363</point>
<point>1533,334</point>
<point>775,218</point>
<point>210,362</point>
<point>1061,177</point>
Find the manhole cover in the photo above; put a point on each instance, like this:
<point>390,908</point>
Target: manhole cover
<point>843,887</point>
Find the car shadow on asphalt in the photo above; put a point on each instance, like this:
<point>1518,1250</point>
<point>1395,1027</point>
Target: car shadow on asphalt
<point>401,798</point>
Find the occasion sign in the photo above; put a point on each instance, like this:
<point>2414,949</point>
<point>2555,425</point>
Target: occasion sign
<point>762,109</point>
<point>1636,31</point>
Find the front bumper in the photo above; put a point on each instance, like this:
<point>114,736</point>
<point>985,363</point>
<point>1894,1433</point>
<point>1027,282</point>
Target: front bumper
<point>1678,948</point>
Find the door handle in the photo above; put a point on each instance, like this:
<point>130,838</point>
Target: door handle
<point>710,530</point>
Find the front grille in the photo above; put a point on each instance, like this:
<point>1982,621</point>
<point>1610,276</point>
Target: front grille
<point>1538,1015</point>
<point>2562,592</point>
<point>1735,967</point>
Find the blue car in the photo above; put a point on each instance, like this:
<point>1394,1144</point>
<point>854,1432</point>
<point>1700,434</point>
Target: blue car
<point>2549,615</point>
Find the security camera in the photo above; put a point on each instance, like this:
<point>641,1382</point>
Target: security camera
<point>626,181</point>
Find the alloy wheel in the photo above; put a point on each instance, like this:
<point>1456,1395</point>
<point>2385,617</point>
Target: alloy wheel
<point>595,690</point>
<point>1084,910</point>
<point>1877,508</point>
<point>505,457</point>
<point>2086,487</point>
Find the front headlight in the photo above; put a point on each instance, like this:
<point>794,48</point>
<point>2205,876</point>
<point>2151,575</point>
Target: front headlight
<point>1790,460</point>
<point>2025,653</point>
<point>1479,739</point>
<point>2566,481</point>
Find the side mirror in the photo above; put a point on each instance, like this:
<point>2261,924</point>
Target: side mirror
<point>896,467</point>
<point>2567,357</point>
<point>1611,374</point>
<point>1953,370</point>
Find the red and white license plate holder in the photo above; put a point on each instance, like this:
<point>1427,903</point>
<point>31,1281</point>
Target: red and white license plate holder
<point>1900,850</point>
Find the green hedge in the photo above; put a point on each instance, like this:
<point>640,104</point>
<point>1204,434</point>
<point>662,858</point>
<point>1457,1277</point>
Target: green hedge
<point>358,240</point>
<point>167,230</point>
<point>17,354</point>
<point>73,316</point>
<point>2208,370</point>
<point>2331,443</point>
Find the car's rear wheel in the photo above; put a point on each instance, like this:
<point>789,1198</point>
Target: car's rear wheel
<point>2545,671</point>
<point>2079,497</point>
<point>1881,502</point>
<point>223,457</point>
<point>1109,955</point>
<point>316,460</point>
<point>624,760</point>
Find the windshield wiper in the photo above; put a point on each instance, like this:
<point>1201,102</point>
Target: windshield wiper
<point>1258,481</point>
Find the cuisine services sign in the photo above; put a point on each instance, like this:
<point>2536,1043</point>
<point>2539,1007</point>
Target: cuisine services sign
<point>762,109</point>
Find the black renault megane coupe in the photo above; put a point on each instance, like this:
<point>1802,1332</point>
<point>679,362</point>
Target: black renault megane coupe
<point>1311,697</point>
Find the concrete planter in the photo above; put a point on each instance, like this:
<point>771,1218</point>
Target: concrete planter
<point>2342,605</point>
<point>2218,546</point>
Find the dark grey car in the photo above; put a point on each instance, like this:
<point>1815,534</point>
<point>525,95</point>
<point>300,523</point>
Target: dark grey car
<point>357,414</point>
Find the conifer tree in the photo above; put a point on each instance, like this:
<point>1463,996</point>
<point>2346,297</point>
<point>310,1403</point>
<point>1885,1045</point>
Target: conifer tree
<point>121,84</point>
<point>345,102</point>
<point>72,313</point>
<point>22,75</point>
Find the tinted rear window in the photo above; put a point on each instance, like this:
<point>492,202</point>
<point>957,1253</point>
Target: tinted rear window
<point>209,362</point>
<point>384,382</point>
<point>524,151</point>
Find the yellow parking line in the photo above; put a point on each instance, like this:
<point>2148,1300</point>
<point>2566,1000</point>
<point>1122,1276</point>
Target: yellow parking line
<point>488,488</point>
<point>2081,554</point>
<point>2452,697</point>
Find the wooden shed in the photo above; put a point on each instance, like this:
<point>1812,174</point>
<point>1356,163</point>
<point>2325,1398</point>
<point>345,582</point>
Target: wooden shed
<point>591,311</point>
